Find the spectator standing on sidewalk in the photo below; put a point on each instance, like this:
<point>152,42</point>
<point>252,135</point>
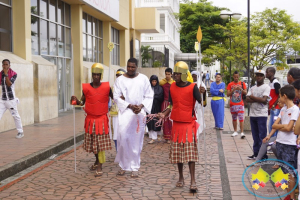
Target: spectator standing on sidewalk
<point>286,142</point>
<point>166,84</point>
<point>183,96</point>
<point>207,79</point>
<point>95,98</point>
<point>258,97</point>
<point>235,90</point>
<point>217,90</point>
<point>274,96</point>
<point>156,108</point>
<point>8,100</point>
<point>114,113</point>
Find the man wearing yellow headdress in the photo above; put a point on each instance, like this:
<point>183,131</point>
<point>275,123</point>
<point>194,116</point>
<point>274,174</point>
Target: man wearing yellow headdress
<point>114,113</point>
<point>95,98</point>
<point>182,98</point>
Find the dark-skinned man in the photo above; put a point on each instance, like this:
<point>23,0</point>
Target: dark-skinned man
<point>8,99</point>
<point>258,97</point>
<point>183,96</point>
<point>134,98</point>
<point>274,95</point>
<point>95,98</point>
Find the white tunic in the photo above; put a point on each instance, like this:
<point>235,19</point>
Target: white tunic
<point>131,127</point>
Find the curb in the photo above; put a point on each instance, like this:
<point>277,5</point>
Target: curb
<point>30,160</point>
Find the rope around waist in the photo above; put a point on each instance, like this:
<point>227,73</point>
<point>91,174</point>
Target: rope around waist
<point>219,98</point>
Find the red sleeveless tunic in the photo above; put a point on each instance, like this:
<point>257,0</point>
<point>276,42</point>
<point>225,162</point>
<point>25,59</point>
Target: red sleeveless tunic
<point>96,107</point>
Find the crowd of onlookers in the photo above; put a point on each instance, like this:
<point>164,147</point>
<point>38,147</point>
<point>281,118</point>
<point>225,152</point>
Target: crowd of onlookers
<point>281,104</point>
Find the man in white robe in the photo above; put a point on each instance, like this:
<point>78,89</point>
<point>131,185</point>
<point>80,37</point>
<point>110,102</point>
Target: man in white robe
<point>198,107</point>
<point>134,97</point>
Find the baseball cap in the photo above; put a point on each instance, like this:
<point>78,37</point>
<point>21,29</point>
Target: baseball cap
<point>260,72</point>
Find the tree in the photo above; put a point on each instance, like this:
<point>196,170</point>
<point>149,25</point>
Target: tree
<point>202,13</point>
<point>273,35</point>
<point>146,55</point>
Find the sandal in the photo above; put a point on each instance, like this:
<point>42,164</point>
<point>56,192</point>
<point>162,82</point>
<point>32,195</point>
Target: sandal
<point>169,142</point>
<point>180,184</point>
<point>193,188</point>
<point>93,167</point>
<point>159,139</point>
<point>134,174</point>
<point>98,173</point>
<point>121,172</point>
<point>151,142</point>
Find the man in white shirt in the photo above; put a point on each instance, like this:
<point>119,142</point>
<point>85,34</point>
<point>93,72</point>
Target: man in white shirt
<point>258,97</point>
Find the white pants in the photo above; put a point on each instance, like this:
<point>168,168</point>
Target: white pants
<point>153,134</point>
<point>11,105</point>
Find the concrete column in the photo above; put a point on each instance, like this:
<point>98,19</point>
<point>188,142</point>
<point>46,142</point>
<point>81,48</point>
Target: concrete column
<point>106,40</point>
<point>21,16</point>
<point>76,32</point>
<point>125,47</point>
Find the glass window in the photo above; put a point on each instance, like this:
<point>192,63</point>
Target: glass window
<point>89,25</point>
<point>5,44</point>
<point>43,9</point>
<point>68,43</point>
<point>52,10</point>
<point>5,27</point>
<point>92,38</point>
<point>67,15</point>
<point>61,41</point>
<point>34,35</point>
<point>116,51</point>
<point>60,12</point>
<point>84,47</point>
<point>5,1</point>
<point>44,37</point>
<point>34,7</point>
<point>90,48</point>
<point>53,38</point>
<point>84,16</point>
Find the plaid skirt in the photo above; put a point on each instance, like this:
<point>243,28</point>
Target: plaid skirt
<point>95,143</point>
<point>183,152</point>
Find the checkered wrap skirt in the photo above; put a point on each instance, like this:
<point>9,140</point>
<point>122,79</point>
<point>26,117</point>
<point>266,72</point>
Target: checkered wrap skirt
<point>94,143</point>
<point>184,152</point>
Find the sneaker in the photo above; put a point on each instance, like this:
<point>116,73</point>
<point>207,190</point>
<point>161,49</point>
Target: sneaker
<point>20,135</point>
<point>234,134</point>
<point>253,157</point>
<point>265,157</point>
<point>242,136</point>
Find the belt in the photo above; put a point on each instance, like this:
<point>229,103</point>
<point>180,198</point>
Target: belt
<point>218,98</point>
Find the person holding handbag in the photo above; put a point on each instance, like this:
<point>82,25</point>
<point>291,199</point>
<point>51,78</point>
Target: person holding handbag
<point>236,90</point>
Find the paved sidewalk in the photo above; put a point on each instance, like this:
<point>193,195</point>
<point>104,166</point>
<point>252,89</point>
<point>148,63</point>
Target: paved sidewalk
<point>41,140</point>
<point>226,160</point>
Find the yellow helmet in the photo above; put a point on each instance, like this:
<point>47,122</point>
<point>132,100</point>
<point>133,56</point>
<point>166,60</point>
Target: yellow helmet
<point>97,68</point>
<point>182,67</point>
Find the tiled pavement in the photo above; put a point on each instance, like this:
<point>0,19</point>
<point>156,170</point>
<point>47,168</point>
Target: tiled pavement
<point>226,160</point>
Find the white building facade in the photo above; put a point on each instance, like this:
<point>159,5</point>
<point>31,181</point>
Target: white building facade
<point>169,36</point>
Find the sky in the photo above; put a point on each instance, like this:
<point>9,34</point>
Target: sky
<point>291,6</point>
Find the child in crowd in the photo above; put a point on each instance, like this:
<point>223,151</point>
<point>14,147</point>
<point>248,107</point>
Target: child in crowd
<point>286,139</point>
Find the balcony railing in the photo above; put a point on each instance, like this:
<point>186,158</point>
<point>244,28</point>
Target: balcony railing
<point>159,38</point>
<point>174,4</point>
